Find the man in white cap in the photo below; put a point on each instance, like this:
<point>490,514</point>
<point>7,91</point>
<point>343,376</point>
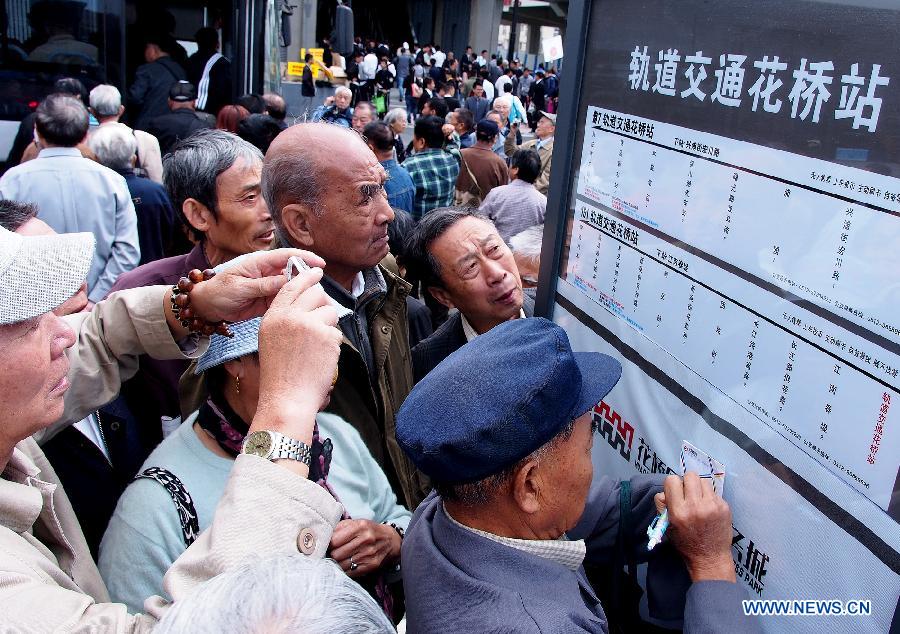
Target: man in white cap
<point>58,369</point>
<point>544,131</point>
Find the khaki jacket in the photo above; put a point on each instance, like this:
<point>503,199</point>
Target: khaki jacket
<point>542,184</point>
<point>372,411</point>
<point>48,580</point>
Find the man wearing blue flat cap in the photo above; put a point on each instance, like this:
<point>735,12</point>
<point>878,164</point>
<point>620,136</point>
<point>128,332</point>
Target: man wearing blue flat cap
<point>503,428</point>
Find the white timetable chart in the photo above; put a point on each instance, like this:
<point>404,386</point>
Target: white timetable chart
<point>703,244</point>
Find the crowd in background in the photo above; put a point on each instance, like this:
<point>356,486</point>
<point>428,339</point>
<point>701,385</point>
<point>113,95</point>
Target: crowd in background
<point>413,333</point>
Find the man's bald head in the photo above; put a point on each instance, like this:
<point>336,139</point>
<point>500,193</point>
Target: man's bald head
<point>299,164</point>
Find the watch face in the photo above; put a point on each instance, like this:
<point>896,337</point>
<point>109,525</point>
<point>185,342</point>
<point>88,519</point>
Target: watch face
<point>259,443</point>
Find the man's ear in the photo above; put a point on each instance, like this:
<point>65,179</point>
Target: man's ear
<point>298,223</point>
<point>442,296</point>
<point>526,487</point>
<point>198,215</point>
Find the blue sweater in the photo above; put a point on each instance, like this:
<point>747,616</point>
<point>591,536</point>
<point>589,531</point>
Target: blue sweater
<point>144,535</point>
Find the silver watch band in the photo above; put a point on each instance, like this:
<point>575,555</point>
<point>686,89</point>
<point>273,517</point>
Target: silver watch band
<point>290,448</point>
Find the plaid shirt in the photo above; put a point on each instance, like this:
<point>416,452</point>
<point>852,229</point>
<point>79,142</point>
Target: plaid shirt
<point>434,173</point>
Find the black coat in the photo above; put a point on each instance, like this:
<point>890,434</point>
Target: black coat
<point>174,126</point>
<point>446,340</point>
<point>149,94</point>
<point>219,91</point>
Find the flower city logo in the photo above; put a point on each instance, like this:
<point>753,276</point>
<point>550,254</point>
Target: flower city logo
<point>750,562</point>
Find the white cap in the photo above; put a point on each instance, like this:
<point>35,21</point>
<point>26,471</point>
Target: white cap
<point>38,273</point>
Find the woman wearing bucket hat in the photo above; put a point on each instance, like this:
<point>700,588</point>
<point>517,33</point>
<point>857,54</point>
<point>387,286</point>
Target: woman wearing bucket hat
<point>148,532</point>
<point>58,369</point>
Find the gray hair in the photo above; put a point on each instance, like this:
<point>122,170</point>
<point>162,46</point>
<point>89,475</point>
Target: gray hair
<point>341,90</point>
<point>61,120</point>
<point>431,227</point>
<point>395,114</point>
<point>14,214</point>
<point>527,244</point>
<point>279,594</point>
<point>114,144</point>
<point>294,177</point>
<point>190,170</point>
<point>106,100</point>
<point>505,98</point>
<point>486,490</point>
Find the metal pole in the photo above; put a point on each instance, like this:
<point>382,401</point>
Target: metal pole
<point>512,32</point>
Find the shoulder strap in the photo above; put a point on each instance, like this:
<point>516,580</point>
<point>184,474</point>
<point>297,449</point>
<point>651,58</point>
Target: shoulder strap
<point>187,513</point>
<point>471,175</point>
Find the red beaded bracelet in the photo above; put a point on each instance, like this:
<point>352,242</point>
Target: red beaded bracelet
<point>181,305</point>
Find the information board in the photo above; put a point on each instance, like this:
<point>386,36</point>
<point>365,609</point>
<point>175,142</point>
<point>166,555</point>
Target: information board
<point>725,218</point>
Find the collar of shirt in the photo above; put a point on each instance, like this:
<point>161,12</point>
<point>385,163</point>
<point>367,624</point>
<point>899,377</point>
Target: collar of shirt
<point>562,551</point>
<point>59,151</point>
<point>367,285</point>
<point>470,332</point>
<point>21,493</point>
<point>544,142</point>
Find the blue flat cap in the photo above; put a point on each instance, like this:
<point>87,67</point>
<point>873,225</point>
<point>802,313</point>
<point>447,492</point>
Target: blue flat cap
<point>499,398</point>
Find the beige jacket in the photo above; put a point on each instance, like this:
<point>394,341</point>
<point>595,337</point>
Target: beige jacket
<point>48,580</point>
<point>542,184</point>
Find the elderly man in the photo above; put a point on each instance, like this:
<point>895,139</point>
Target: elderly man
<point>336,109</point>
<point>106,106</point>
<point>464,265</point>
<point>213,179</point>
<point>116,148</point>
<point>434,170</point>
<point>480,169</point>
<point>74,194</point>
<point>519,205</point>
<point>182,119</point>
<point>60,369</point>
<point>499,545</point>
<point>363,114</point>
<point>325,189</point>
<point>545,129</point>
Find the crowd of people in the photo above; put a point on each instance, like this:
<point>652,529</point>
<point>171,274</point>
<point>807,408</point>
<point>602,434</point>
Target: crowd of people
<point>272,377</point>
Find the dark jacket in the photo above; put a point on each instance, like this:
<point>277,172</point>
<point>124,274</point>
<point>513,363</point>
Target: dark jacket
<point>219,90</point>
<point>174,126</point>
<point>479,107</point>
<point>157,221</point>
<point>446,340</point>
<point>457,581</point>
<point>153,391</point>
<point>94,484</point>
<point>149,94</point>
<point>371,408</point>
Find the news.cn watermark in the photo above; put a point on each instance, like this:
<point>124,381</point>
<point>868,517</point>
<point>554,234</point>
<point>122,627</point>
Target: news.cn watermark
<point>807,607</point>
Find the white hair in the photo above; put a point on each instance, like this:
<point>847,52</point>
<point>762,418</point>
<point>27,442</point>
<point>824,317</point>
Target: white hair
<point>105,100</point>
<point>527,244</point>
<point>507,99</point>
<point>114,144</point>
<point>292,593</point>
<point>341,90</point>
<point>395,114</point>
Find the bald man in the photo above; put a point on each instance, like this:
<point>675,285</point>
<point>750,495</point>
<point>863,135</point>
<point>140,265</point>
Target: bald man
<point>325,191</point>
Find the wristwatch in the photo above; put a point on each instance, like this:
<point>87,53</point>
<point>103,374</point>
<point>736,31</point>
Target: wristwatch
<point>272,445</point>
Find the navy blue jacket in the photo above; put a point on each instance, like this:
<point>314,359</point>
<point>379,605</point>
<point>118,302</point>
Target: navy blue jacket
<point>457,581</point>
<point>157,220</point>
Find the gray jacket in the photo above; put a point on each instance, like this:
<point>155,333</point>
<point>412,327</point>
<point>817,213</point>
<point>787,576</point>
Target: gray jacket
<point>458,581</point>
